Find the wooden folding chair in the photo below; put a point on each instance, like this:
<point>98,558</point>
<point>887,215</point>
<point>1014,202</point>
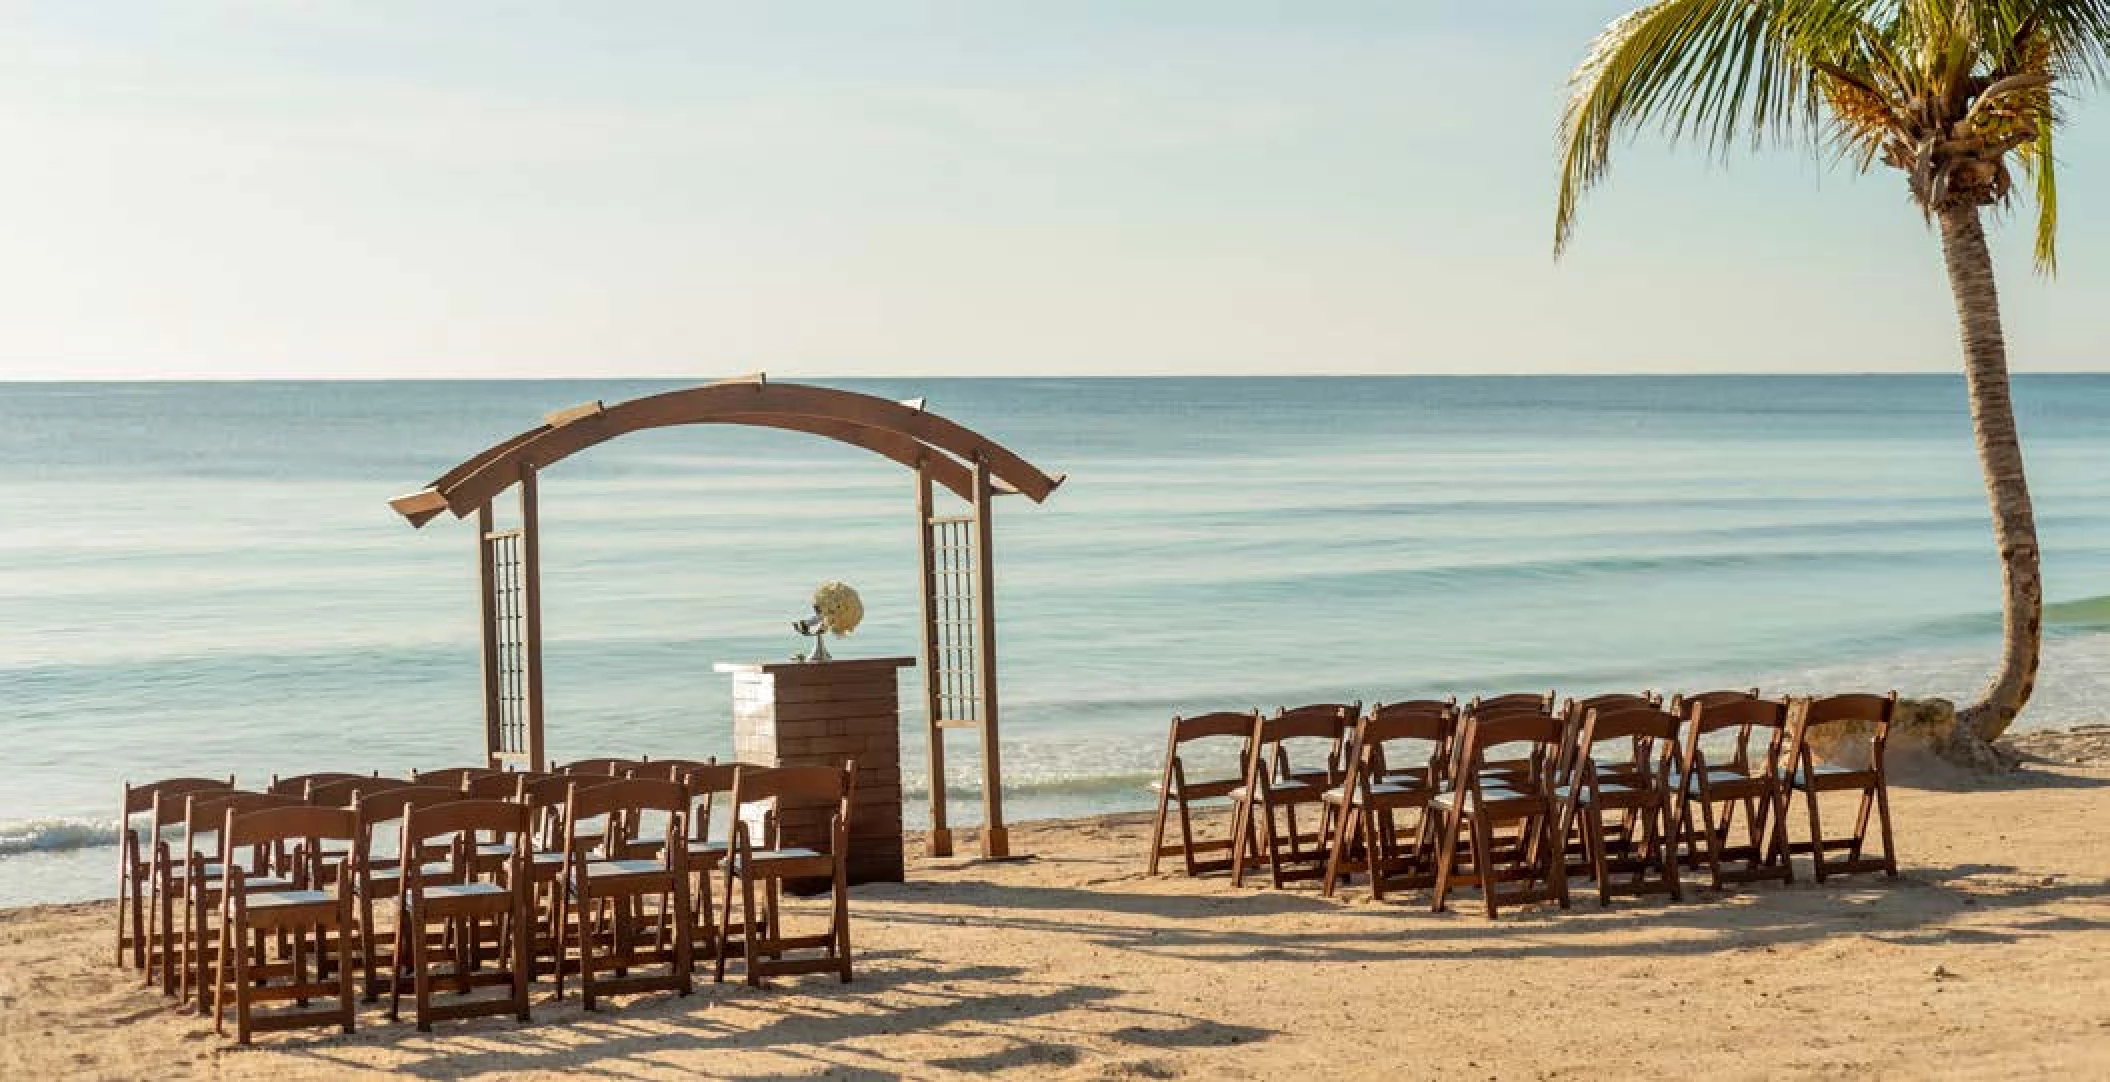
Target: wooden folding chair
<point>1379,785</point>
<point>1277,785</point>
<point>135,866</point>
<point>635,910</point>
<point>1576,711</point>
<point>469,911</point>
<point>1811,778</point>
<point>1717,789</point>
<point>1509,764</point>
<point>1478,800</point>
<point>545,797</point>
<point>1684,704</point>
<point>767,861</point>
<point>200,880</point>
<point>1638,786</point>
<point>253,914</point>
<point>705,855</point>
<point>376,876</point>
<point>1176,790</point>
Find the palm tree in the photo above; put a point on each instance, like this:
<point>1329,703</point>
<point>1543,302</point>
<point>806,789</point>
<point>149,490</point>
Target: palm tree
<point>1960,95</point>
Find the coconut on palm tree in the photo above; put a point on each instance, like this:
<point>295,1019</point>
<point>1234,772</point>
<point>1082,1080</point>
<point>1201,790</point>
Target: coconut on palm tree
<point>1960,96</point>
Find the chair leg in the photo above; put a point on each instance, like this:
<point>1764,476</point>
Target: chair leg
<point>421,967</point>
<point>1241,839</point>
<point>1890,852</point>
<point>684,919</point>
<point>1868,800</point>
<point>242,990</point>
<point>1483,862</point>
<point>347,1014</point>
<point>1816,835</point>
<point>725,925</point>
<point>1594,845</point>
<point>1273,841</point>
<point>589,933</point>
<point>1713,840</point>
<point>752,948</point>
<point>1187,839</point>
<point>371,946</point>
<point>520,926</point>
<point>219,980</point>
<point>1345,827</point>
<point>395,972</point>
<point>1157,826</point>
<point>1446,859</point>
<point>1776,804</point>
<point>842,916</point>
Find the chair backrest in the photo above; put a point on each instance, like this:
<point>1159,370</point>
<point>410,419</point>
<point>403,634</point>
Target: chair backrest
<point>286,823</point>
<point>1683,705</point>
<point>626,803</point>
<point>1221,726</point>
<point>389,805</point>
<point>206,816</point>
<point>704,782</point>
<point>341,793</point>
<point>494,787</point>
<point>1532,699</point>
<point>452,777</point>
<point>299,784</point>
<point>140,798</point>
<point>1875,710</point>
<point>591,801</point>
<point>1657,728</point>
<point>463,823</point>
<point>614,768</point>
<point>1538,733</point>
<point>1328,723</point>
<point>165,799</point>
<point>1419,720</point>
<point>207,811</point>
<point>758,790</point>
<point>1580,708</point>
<point>1713,715</point>
<point>1746,715</point>
<point>673,769</point>
<point>1860,709</point>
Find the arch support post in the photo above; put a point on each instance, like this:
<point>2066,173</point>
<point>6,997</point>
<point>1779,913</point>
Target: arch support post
<point>996,837</point>
<point>488,623</point>
<point>939,840</point>
<point>531,616</point>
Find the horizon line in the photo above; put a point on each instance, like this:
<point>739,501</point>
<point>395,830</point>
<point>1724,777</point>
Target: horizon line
<point>1138,377</point>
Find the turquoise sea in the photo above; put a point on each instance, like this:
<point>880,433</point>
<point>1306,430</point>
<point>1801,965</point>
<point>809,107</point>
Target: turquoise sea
<point>204,578</point>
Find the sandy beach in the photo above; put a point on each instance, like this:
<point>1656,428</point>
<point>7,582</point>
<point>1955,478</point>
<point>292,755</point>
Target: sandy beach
<point>1990,958</point>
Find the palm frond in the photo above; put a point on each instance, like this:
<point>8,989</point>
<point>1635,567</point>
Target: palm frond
<point>1719,70</point>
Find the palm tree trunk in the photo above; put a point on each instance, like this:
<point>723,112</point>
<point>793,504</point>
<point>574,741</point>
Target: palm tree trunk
<point>2000,454</point>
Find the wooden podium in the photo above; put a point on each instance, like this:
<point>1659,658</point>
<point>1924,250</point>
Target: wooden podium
<point>822,713</point>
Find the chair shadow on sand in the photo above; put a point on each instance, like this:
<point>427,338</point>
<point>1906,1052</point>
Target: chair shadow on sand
<point>896,992</point>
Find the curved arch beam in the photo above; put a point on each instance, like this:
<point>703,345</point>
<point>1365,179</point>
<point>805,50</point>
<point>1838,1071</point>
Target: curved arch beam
<point>907,435</point>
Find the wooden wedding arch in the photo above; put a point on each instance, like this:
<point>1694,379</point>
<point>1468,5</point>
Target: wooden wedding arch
<point>956,550</point>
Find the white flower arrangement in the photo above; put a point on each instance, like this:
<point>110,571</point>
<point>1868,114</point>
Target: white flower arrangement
<point>839,607</point>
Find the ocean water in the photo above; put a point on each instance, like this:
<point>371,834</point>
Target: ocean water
<point>205,578</point>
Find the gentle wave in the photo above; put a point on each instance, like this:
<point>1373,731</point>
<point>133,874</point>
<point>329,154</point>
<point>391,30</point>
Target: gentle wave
<point>2088,613</point>
<point>54,835</point>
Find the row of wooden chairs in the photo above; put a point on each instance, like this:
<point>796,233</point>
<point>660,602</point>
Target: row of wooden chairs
<point>603,869</point>
<point>1513,795</point>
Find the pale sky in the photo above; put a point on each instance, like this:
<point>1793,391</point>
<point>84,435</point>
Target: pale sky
<point>381,188</point>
